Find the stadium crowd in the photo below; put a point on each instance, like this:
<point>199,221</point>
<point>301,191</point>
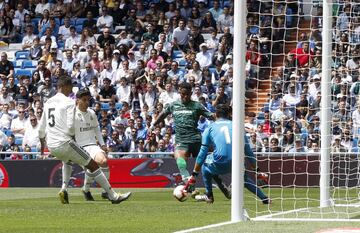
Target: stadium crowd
<point>132,55</point>
<point>290,120</point>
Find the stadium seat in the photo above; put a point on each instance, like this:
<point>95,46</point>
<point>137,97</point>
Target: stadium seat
<point>72,21</point>
<point>23,54</point>
<point>17,64</point>
<point>80,21</point>
<point>79,28</point>
<point>18,141</point>
<point>182,62</point>
<point>29,64</point>
<point>8,132</point>
<point>177,54</point>
<point>105,106</point>
<point>58,22</point>
<point>19,72</point>
<point>118,106</point>
<point>212,70</point>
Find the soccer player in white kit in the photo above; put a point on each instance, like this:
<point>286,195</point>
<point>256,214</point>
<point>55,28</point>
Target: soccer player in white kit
<point>57,125</point>
<point>88,136</point>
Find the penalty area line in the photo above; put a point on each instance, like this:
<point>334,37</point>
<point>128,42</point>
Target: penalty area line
<point>205,227</point>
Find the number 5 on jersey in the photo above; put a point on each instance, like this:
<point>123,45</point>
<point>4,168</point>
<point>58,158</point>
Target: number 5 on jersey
<point>51,117</point>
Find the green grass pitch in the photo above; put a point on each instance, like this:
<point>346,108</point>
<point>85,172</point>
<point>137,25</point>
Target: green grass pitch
<point>148,210</point>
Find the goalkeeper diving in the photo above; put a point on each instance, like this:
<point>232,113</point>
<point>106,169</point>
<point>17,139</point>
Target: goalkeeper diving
<point>218,135</point>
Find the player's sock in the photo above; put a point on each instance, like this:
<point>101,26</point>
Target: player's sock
<point>251,186</point>
<point>100,178</point>
<point>181,163</point>
<point>87,181</point>
<point>106,172</point>
<point>66,173</point>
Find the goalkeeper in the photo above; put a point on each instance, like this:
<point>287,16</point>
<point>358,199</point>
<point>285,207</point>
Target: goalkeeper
<point>218,134</point>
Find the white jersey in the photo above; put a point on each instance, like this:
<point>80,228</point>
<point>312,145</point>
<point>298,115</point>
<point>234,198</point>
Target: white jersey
<point>87,128</point>
<point>57,121</point>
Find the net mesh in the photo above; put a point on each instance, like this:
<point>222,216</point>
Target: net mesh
<point>284,58</point>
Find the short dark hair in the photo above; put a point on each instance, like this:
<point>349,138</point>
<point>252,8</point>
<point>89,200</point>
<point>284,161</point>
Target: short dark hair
<point>186,86</point>
<point>64,81</point>
<point>223,110</point>
<point>83,92</point>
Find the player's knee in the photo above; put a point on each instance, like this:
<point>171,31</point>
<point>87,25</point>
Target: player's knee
<point>101,160</point>
<point>92,166</point>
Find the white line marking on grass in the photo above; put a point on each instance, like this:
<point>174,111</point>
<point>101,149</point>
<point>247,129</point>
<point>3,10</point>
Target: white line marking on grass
<point>205,227</point>
<point>276,214</point>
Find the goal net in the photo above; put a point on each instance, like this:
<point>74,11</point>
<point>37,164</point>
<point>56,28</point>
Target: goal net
<point>307,141</point>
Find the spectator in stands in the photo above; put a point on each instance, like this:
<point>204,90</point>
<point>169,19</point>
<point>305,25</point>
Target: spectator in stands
<point>59,9</point>
<point>298,147</point>
<point>225,20</point>
<point>72,39</point>
<point>107,72</point>
<point>6,67</point>
<point>204,57</point>
<point>35,49</point>
<point>181,35</point>
<point>216,10</point>
<point>18,124</point>
<point>5,117</point>
<point>28,38</point>
<point>107,91</point>
<point>46,90</point>
<point>288,140</point>
<point>31,136</point>
<point>5,98</point>
<point>106,39</point>
<point>336,144</point>
<point>75,9</point>
<point>105,21</point>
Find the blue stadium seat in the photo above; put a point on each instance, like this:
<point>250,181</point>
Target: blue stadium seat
<point>26,72</point>
<point>105,106</point>
<point>23,54</point>
<point>212,70</point>
<point>79,28</point>
<point>58,22</point>
<point>18,141</point>
<point>118,106</point>
<point>80,21</point>
<point>29,64</point>
<point>8,132</point>
<point>17,64</point>
<point>182,62</point>
<point>72,22</point>
<point>177,54</point>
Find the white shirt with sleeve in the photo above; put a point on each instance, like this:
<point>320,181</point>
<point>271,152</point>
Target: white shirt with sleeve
<point>31,136</point>
<point>57,121</point>
<point>107,20</point>
<point>87,129</point>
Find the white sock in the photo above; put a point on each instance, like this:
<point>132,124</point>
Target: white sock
<point>87,181</point>
<point>106,172</point>
<point>66,173</point>
<point>100,178</point>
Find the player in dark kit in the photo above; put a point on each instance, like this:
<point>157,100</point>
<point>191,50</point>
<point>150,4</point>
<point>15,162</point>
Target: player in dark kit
<point>186,114</point>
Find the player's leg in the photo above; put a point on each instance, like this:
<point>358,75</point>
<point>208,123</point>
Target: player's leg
<point>101,159</point>
<point>83,158</point>
<point>207,179</point>
<point>223,188</point>
<point>66,174</point>
<point>252,187</point>
<point>181,154</point>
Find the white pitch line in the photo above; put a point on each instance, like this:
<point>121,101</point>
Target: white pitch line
<point>205,227</point>
<point>280,213</point>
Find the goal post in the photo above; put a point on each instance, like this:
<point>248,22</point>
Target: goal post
<point>315,174</point>
<point>326,105</point>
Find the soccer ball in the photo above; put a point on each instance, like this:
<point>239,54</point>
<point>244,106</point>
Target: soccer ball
<point>180,193</point>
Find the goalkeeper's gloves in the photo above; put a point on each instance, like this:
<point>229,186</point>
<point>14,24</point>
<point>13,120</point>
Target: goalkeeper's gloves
<point>190,184</point>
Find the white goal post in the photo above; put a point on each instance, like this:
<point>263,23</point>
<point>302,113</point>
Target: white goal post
<point>310,186</point>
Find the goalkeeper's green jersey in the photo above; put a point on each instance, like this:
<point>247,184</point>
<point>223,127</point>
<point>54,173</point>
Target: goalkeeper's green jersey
<point>186,117</point>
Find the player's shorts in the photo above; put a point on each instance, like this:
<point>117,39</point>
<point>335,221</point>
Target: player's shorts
<point>71,152</point>
<point>92,150</point>
<point>191,148</point>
